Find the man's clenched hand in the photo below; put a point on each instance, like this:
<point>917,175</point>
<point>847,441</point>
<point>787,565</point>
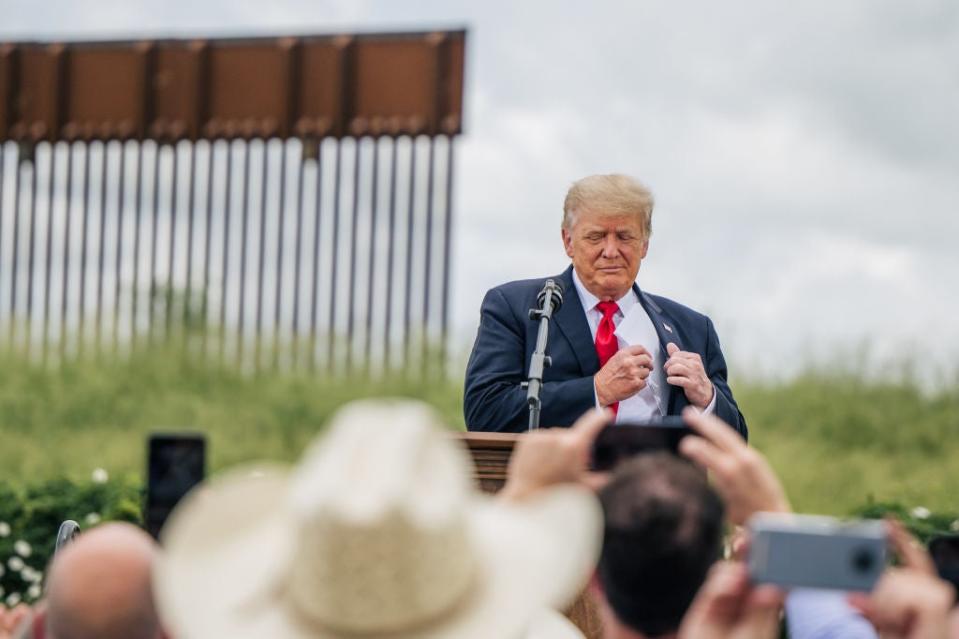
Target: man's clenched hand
<point>624,375</point>
<point>685,369</point>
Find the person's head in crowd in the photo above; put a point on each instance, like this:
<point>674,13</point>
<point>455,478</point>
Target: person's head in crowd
<point>378,531</point>
<point>99,586</point>
<point>663,524</point>
<point>663,532</point>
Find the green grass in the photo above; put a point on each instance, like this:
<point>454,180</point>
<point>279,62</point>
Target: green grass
<point>87,415</point>
<point>837,441</point>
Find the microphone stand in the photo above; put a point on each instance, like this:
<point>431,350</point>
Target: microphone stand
<point>550,299</point>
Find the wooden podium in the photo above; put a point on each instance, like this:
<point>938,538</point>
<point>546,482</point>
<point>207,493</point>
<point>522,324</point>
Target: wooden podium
<point>491,453</point>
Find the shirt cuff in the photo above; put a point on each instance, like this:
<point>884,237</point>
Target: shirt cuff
<point>709,410</point>
<point>595,395</point>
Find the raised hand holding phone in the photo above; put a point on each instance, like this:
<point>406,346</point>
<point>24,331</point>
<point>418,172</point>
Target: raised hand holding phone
<point>911,601</point>
<point>742,475</point>
<point>549,456</point>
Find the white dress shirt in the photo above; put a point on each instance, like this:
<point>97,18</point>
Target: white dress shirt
<point>650,402</point>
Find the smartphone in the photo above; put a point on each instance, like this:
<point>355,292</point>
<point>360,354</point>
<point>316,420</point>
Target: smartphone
<point>617,442</point>
<point>807,551</point>
<point>175,464</point>
<point>945,554</point>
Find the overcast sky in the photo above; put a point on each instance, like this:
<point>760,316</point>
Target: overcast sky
<point>804,155</point>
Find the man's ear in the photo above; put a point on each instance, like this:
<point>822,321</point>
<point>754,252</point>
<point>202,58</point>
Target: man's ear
<point>644,249</point>
<point>567,242</point>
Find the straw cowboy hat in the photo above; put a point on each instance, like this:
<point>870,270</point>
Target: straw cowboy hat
<point>378,532</point>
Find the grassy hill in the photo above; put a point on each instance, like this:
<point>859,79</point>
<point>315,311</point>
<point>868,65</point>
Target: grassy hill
<point>837,441</point>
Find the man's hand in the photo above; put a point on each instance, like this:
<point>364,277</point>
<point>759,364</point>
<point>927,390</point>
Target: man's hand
<point>624,375</point>
<point>911,553</point>
<point>685,369</point>
<point>743,476</point>
<point>11,619</point>
<point>550,456</point>
<point>727,607</point>
<point>910,602</point>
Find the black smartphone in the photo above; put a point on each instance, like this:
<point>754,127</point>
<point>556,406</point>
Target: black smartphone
<point>617,442</point>
<point>945,554</point>
<point>176,462</point>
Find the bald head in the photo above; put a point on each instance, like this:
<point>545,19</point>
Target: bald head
<point>99,586</point>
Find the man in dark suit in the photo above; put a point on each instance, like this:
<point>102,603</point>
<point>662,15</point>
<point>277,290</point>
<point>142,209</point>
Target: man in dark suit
<point>611,344</point>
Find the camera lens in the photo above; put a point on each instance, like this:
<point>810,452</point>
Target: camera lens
<point>863,560</point>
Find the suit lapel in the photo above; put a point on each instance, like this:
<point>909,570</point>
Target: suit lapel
<point>571,320</point>
<point>666,330</point>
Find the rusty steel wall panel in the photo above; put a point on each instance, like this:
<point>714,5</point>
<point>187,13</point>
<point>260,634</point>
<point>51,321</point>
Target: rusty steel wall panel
<point>170,90</point>
<point>321,101</point>
<point>249,86</point>
<point>7,81</point>
<point>451,74</point>
<point>105,86</point>
<point>176,78</point>
<point>398,80</point>
<point>39,94</point>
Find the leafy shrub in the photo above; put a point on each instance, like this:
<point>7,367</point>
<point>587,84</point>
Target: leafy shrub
<point>31,514</point>
<point>922,522</point>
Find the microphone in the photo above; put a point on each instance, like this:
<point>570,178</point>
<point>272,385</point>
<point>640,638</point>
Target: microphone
<point>549,299</point>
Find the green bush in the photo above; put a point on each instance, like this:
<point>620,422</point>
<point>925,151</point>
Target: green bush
<point>922,522</point>
<point>31,514</point>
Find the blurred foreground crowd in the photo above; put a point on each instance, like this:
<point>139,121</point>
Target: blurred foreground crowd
<point>380,532</point>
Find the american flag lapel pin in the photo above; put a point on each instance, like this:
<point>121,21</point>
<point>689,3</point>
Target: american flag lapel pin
<point>666,326</point>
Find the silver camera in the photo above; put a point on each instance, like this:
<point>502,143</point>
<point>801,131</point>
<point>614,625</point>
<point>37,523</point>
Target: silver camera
<point>803,551</point>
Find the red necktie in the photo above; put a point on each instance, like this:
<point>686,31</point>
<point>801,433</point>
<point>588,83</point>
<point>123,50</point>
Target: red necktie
<point>606,342</point>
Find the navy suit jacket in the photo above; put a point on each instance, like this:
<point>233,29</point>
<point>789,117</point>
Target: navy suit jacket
<point>494,398</point>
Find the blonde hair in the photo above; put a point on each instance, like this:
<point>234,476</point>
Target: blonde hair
<point>613,194</point>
